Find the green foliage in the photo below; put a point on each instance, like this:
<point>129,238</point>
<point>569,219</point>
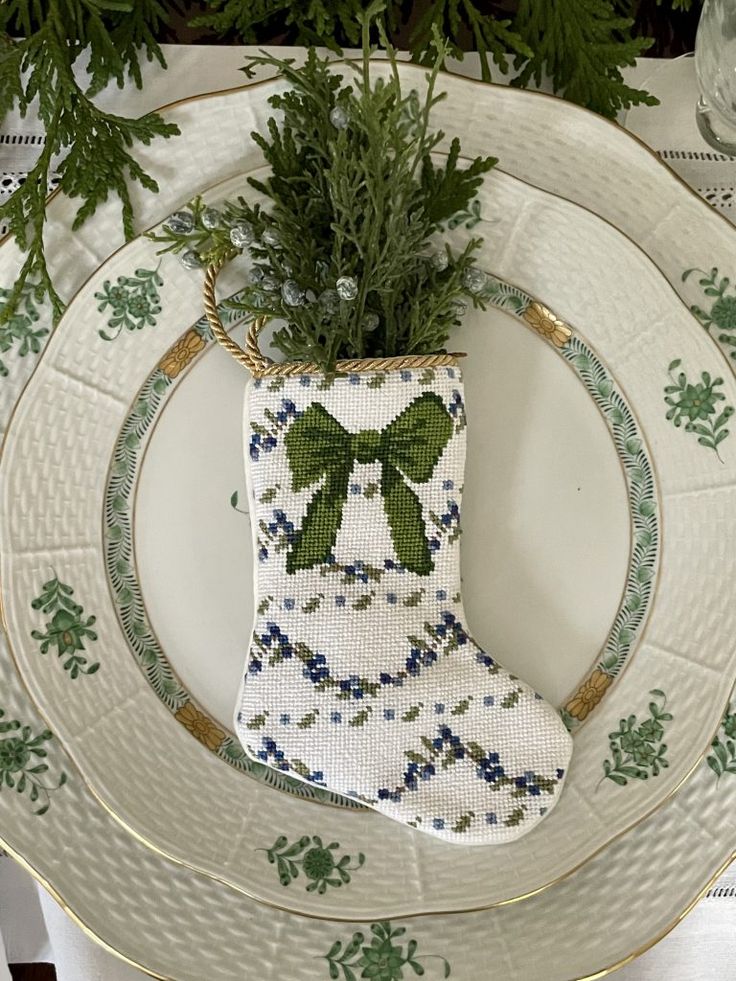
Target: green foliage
<point>312,21</point>
<point>492,36</point>
<point>581,45</point>
<point>52,35</point>
<point>353,200</point>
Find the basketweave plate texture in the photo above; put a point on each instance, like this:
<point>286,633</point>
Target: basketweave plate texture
<point>52,585</point>
<point>622,888</point>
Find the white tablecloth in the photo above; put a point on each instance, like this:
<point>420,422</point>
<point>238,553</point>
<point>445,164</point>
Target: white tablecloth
<point>703,947</point>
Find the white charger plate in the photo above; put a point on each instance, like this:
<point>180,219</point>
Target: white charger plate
<point>52,544</point>
<point>589,949</point>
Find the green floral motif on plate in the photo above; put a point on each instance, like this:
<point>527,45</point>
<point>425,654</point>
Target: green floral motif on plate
<point>720,319</point>
<point>723,758</point>
<point>696,404</point>
<point>19,333</point>
<point>637,750</point>
<point>318,863</point>
<point>22,763</point>
<point>67,629</point>
<point>133,301</point>
<point>378,957</point>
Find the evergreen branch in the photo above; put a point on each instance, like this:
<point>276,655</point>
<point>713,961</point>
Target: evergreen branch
<point>345,244</point>
<point>310,21</point>
<point>99,162</point>
<point>581,45</point>
<point>491,35</point>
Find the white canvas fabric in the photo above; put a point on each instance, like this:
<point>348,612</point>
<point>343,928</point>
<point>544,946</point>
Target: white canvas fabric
<point>361,675</point>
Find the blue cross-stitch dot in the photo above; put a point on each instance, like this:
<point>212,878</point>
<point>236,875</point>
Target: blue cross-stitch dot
<point>335,717</point>
<point>391,598</point>
<point>438,823</point>
<point>285,720</point>
<point>289,603</point>
<point>440,595</point>
<point>439,708</point>
<point>389,714</point>
<point>339,601</point>
<point>354,379</point>
<point>491,818</point>
<point>405,376</point>
<point>355,488</point>
<point>448,484</point>
<point>488,700</point>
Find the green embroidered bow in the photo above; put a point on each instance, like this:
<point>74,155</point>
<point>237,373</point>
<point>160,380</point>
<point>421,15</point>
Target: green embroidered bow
<point>407,449</point>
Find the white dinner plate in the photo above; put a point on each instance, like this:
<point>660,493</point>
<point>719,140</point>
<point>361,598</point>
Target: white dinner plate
<point>644,925</point>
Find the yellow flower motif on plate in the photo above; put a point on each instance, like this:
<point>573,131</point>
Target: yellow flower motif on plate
<point>589,694</point>
<point>200,726</point>
<point>547,325</point>
<point>181,354</point>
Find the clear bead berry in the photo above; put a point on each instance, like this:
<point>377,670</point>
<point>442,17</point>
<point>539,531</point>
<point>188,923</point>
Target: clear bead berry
<point>347,287</point>
<point>191,260</point>
<point>292,293</point>
<point>440,261</point>
<point>180,223</point>
<point>211,219</point>
<point>329,300</point>
<point>474,279</point>
<point>241,234</point>
<point>339,117</point>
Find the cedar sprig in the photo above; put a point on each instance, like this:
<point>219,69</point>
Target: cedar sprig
<point>581,45</point>
<point>40,44</point>
<point>360,199</point>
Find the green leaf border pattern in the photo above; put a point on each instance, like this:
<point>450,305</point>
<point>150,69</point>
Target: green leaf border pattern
<point>315,859</point>
<point>642,489</point>
<point>23,765</point>
<point>379,956</point>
